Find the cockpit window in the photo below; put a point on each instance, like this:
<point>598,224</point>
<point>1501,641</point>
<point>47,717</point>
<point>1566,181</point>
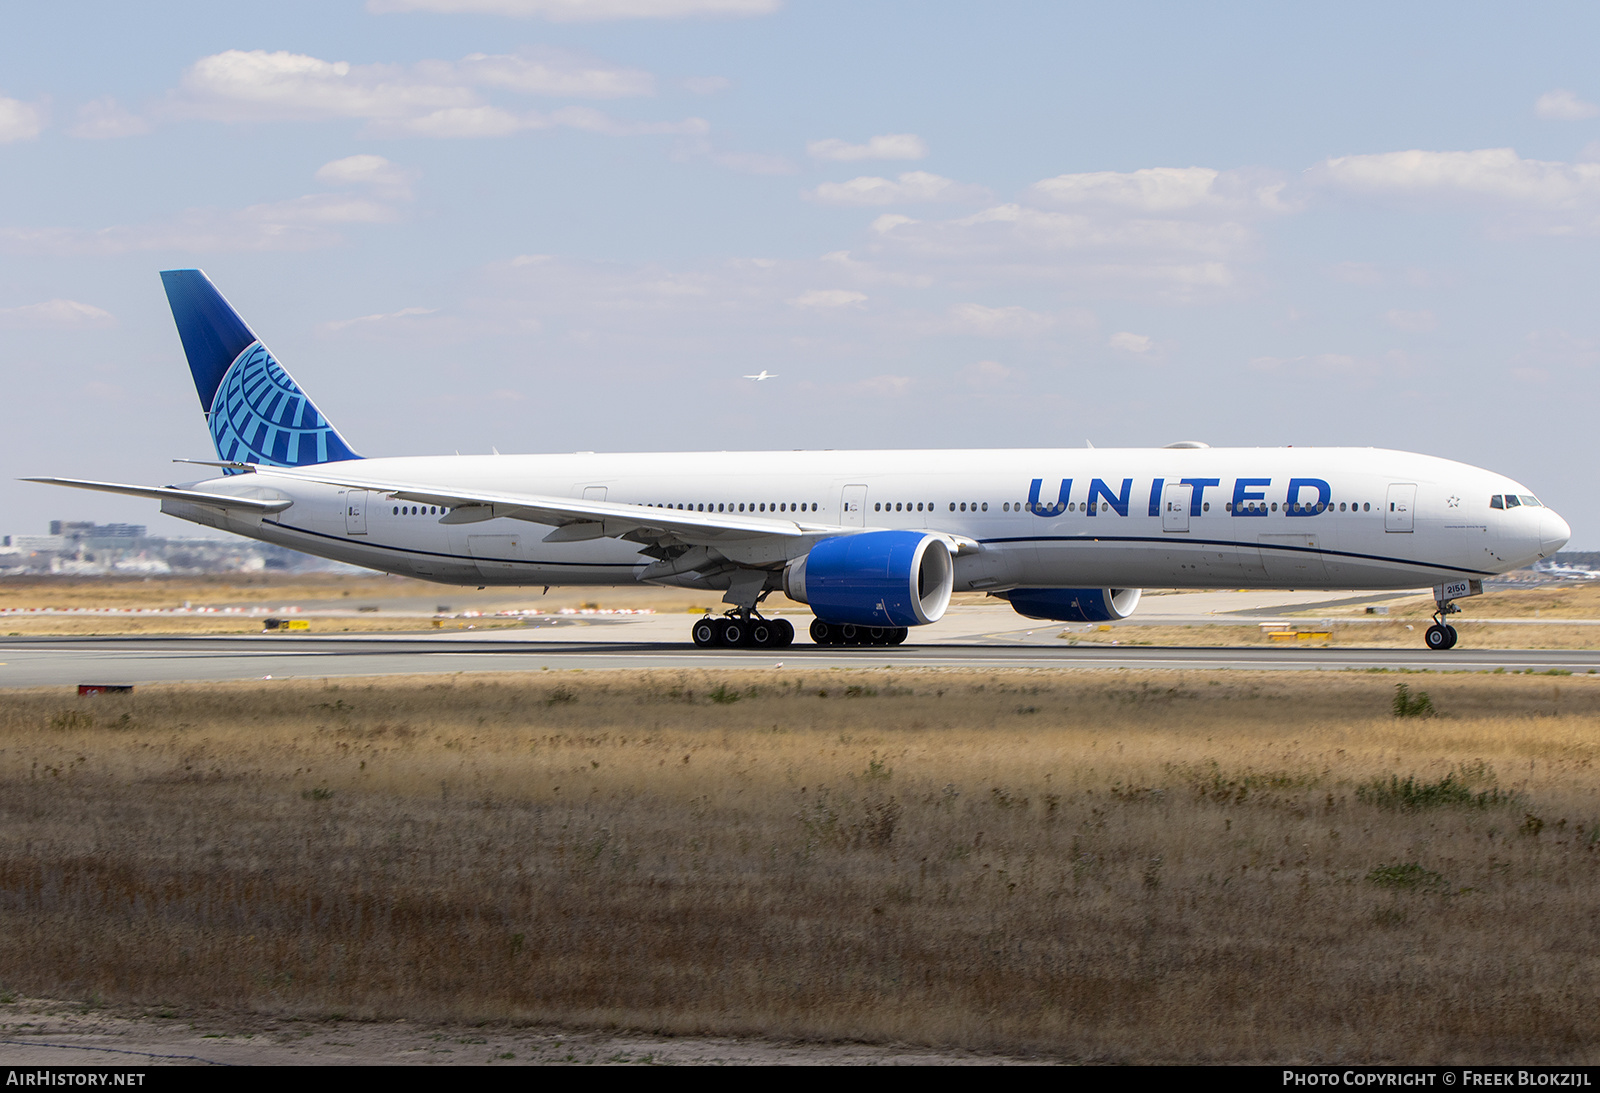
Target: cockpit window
<point>1497,502</point>
<point>1512,501</point>
<point>1528,499</point>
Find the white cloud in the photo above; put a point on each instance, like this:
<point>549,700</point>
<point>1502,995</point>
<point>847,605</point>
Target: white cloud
<point>1130,343</point>
<point>1497,173</point>
<point>549,72</point>
<point>56,313</point>
<point>1541,196</point>
<point>254,85</point>
<point>379,190</point>
<point>430,99</point>
<point>581,11</point>
<point>828,297</point>
<point>987,374</point>
<point>888,146</point>
<point>403,313</point>
<point>1165,190</point>
<point>1564,106</point>
<point>999,321</point>
<point>888,222</point>
<point>20,120</point>
<point>912,186</point>
<point>1416,322</point>
<point>1181,230</point>
<point>105,119</point>
<point>368,170</point>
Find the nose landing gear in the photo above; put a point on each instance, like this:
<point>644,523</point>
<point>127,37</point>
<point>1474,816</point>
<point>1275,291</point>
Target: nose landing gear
<point>1441,635</point>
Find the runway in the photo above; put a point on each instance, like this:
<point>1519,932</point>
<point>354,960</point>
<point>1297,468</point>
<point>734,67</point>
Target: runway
<point>55,661</point>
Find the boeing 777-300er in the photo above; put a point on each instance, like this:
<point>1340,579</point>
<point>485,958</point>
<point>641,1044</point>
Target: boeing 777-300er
<point>874,541</point>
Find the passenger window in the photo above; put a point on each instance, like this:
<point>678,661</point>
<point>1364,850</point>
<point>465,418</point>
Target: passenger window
<point>986,506</point>
<point>1206,507</point>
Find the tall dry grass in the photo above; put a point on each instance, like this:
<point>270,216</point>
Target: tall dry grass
<point>1113,866</point>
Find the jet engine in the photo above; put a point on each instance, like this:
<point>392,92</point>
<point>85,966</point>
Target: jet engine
<point>1074,604</point>
<point>877,578</point>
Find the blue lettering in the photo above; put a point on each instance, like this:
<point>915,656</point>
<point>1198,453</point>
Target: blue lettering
<point>1048,510</point>
<point>1199,484</point>
<point>1119,501</point>
<point>1293,507</point>
<point>1155,496</point>
<point>1242,493</point>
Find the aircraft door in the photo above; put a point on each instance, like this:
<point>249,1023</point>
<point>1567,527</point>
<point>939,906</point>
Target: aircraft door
<point>853,507</point>
<point>355,512</point>
<point>1175,500</point>
<point>1402,500</point>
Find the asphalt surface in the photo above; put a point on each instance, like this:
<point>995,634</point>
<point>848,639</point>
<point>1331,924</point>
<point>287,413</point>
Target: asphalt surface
<point>53,661</point>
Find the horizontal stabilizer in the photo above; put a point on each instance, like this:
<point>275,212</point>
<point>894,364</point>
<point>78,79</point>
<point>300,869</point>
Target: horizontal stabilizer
<point>172,493</point>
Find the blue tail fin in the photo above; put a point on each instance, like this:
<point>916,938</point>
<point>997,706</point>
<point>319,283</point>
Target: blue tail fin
<point>255,410</point>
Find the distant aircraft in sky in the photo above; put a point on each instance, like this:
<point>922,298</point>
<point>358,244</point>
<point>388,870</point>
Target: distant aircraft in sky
<point>763,375</point>
<point>874,541</point>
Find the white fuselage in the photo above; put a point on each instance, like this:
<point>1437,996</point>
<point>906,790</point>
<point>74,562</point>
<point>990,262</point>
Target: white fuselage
<point>1044,518</point>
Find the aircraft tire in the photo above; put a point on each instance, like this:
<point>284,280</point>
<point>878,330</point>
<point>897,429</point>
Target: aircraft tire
<point>821,632</point>
<point>784,630</point>
<point>878,635</point>
<point>900,635</point>
<point>734,633</point>
<point>1438,638</point>
<point>849,634</point>
<point>1454,637</point>
<point>762,633</point>
<point>705,633</point>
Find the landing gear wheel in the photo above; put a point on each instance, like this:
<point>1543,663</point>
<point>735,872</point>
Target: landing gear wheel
<point>878,635</point>
<point>1438,637</point>
<point>849,633</point>
<point>705,632</point>
<point>900,634</point>
<point>733,632</point>
<point>1451,630</point>
<point>761,633</point>
<point>783,632</point>
<point>821,632</point>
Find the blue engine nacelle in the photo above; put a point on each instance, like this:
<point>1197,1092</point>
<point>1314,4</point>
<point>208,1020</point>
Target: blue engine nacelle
<point>1074,604</point>
<point>877,578</point>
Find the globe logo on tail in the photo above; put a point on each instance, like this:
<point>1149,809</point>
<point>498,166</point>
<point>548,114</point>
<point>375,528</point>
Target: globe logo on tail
<point>261,416</point>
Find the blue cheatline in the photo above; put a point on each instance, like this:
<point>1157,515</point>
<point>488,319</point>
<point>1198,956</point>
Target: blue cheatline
<point>255,410</point>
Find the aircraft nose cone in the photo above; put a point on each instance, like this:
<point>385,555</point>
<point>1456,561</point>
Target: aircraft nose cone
<point>1553,533</point>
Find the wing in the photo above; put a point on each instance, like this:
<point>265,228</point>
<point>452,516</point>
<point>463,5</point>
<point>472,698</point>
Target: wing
<point>172,493</point>
<point>577,519</point>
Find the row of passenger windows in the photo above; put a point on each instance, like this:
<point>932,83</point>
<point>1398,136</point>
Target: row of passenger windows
<point>1498,501</point>
<point>770,506</point>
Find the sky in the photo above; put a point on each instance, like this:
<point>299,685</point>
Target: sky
<point>575,225</point>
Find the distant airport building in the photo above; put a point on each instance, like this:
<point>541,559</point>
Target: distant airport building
<point>85,548</point>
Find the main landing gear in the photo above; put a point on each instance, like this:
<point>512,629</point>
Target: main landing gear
<point>743,629</point>
<point>1441,635</point>
<point>835,633</point>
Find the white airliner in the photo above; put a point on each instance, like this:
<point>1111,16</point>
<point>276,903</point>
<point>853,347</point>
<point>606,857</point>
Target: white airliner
<point>763,375</point>
<point>874,541</point>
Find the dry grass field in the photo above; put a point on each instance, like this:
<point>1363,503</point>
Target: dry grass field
<point>1116,866</point>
